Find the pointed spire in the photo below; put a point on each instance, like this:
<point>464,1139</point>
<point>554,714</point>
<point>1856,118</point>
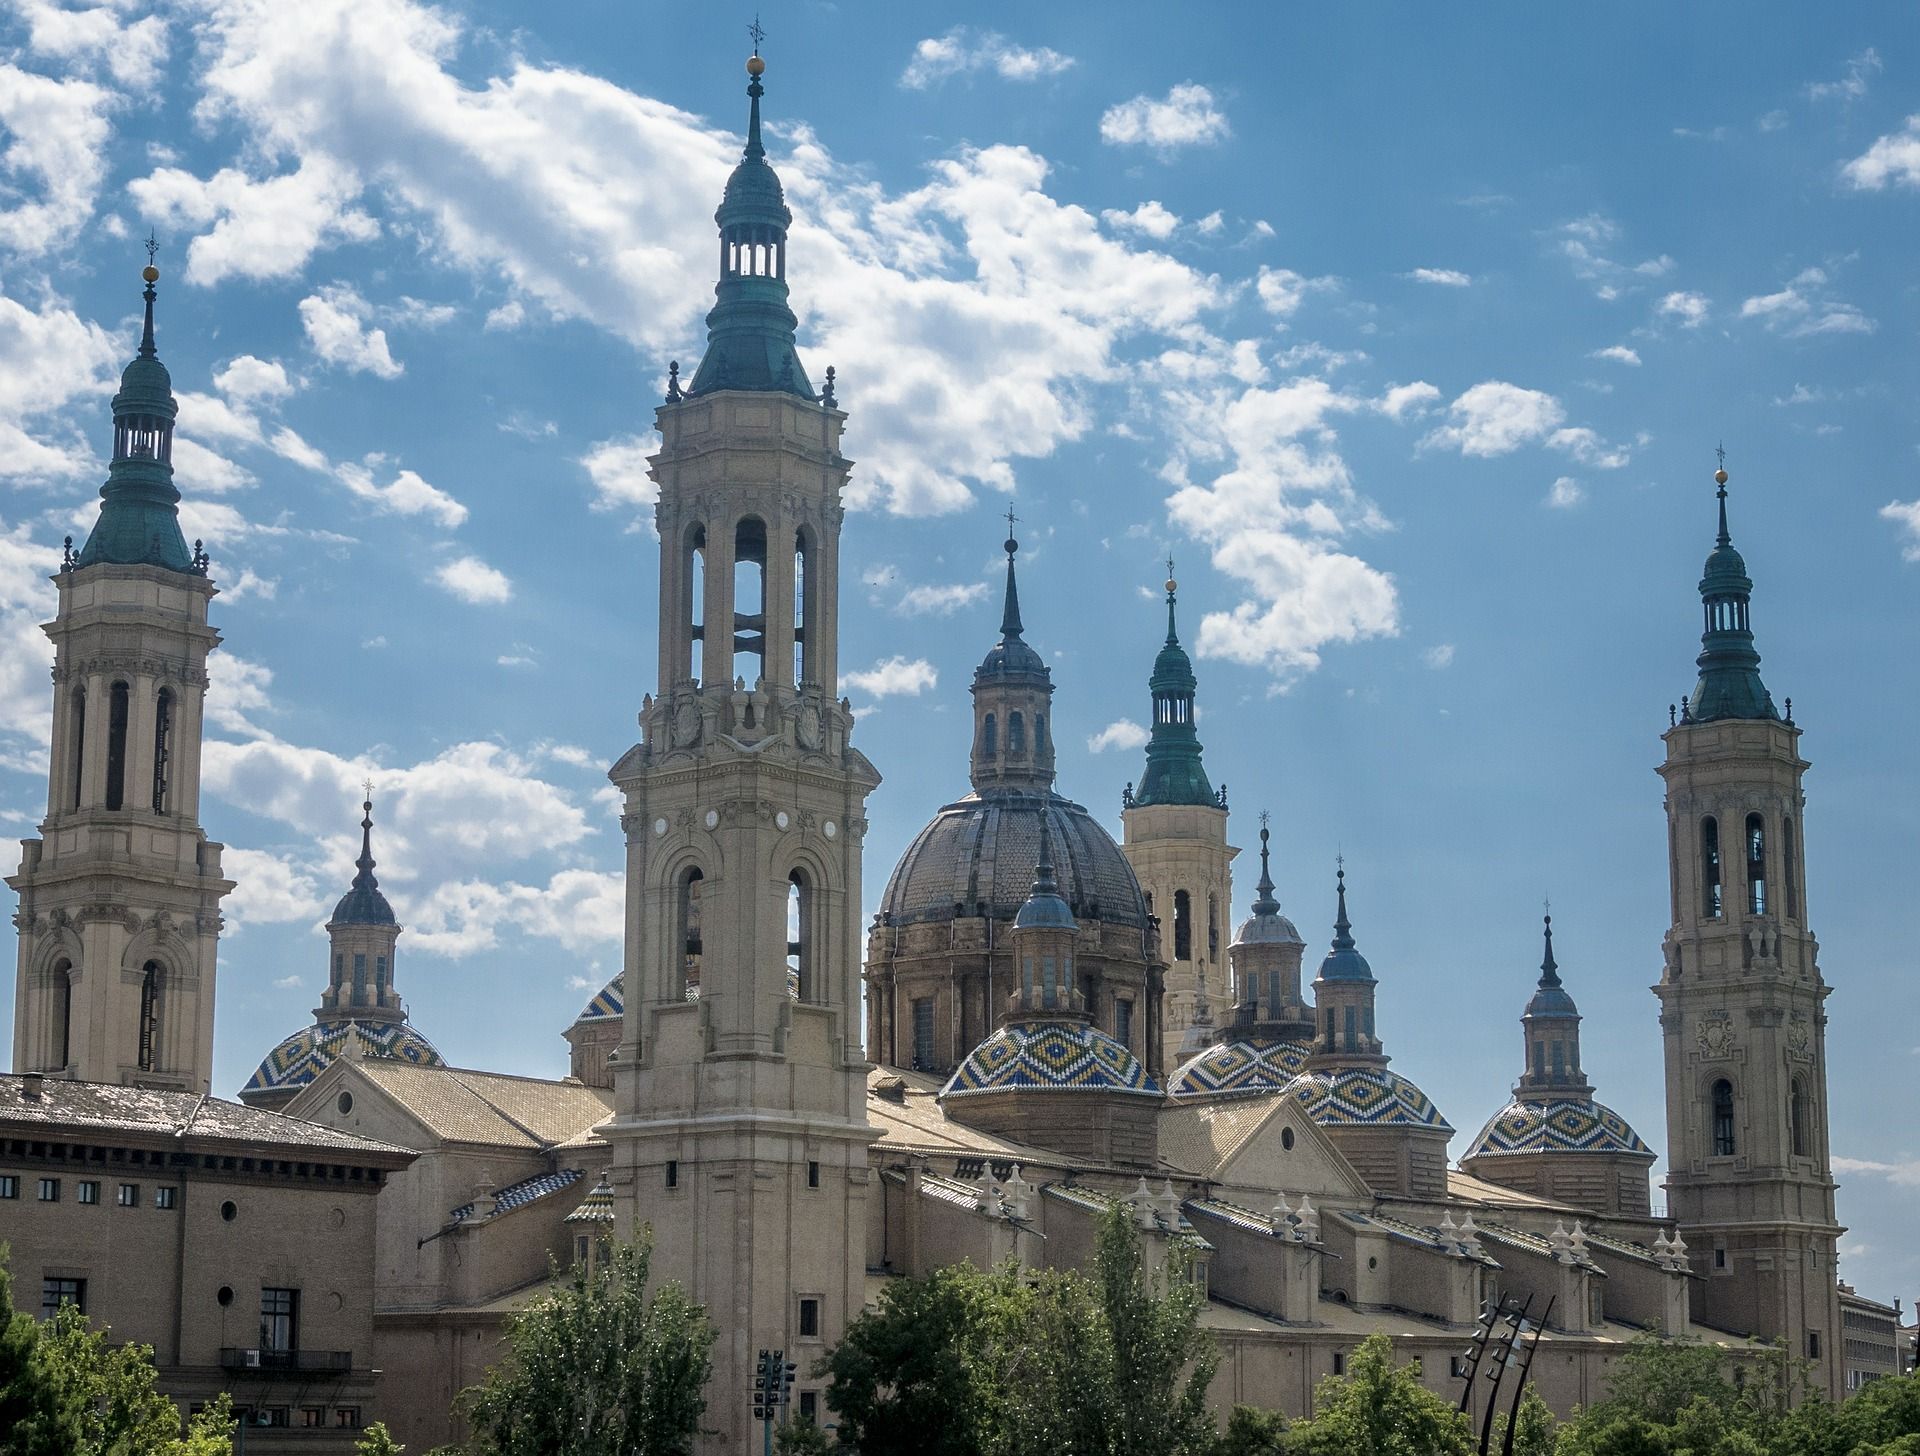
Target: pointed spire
<point>1729,684</point>
<point>1010,625</point>
<point>1720,480</point>
<point>1549,971</point>
<point>1342,927</point>
<point>755,68</point>
<point>151,276</point>
<point>1264,903</point>
<point>1344,962</point>
<point>1175,773</point>
<point>363,904</point>
<point>1173,595</point>
<point>1043,881</point>
<point>365,879</point>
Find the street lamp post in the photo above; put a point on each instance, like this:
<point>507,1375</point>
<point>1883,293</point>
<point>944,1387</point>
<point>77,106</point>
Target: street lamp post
<point>772,1390</point>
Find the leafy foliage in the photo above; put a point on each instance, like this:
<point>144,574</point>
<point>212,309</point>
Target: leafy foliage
<point>1252,1431</point>
<point>1379,1409</point>
<point>378,1441</point>
<point>599,1368</point>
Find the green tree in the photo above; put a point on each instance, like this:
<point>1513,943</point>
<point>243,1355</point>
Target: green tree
<point>1252,1431</point>
<point>802,1438</point>
<point>1379,1409</point>
<point>1535,1431</point>
<point>1163,1361</point>
<point>209,1430</point>
<point>378,1441</point>
<point>34,1421</point>
<point>599,1368</point>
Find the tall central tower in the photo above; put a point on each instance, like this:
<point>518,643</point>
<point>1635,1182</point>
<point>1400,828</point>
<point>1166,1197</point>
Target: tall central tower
<point>740,1131</point>
<point>1741,996</point>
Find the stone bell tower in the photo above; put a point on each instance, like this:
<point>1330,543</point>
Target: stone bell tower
<point>1741,1000</point>
<point>1175,825</point>
<point>740,1131</point>
<point>119,912</point>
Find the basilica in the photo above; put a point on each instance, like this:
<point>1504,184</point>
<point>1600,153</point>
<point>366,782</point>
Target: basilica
<point>803,1092</point>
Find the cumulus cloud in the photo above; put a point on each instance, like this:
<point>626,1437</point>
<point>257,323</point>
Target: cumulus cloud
<point>962,51</point>
<point>269,890</point>
<point>55,157</point>
<point>1689,308</point>
<point>250,380</point>
<point>472,580</point>
<point>1565,493</point>
<point>1905,515</point>
<point>1806,306</point>
<point>49,358</point>
<point>618,470</point>
<point>1496,418</point>
<point>335,319</point>
<point>1282,291</point>
<point>1123,733</point>
<point>1586,243</point>
<point>1405,399</point>
<point>1439,656</point>
<point>940,600</point>
<point>27,599</point>
<point>1852,84</point>
<point>405,495</point>
<point>1904,1173</point>
<point>257,227</point>
<point>581,909</point>
<point>1444,277</point>
<point>1149,218</point>
<point>1186,117</point>
<point>893,677</point>
<point>1618,354</point>
<point>1893,160</point>
<point>92,39</point>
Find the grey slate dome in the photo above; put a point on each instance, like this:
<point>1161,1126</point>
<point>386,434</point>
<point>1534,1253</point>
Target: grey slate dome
<point>363,904</point>
<point>978,854</point>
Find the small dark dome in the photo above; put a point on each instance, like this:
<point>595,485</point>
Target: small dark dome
<point>1551,999</point>
<point>146,386</point>
<point>1012,654</point>
<point>1344,963</point>
<point>1726,568</point>
<point>977,858</point>
<point>363,905</point>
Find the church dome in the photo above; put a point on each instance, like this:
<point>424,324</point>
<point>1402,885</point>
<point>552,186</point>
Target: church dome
<point>609,1005</point>
<point>303,1056</point>
<point>1243,1066</point>
<point>1365,1096</point>
<point>1267,929</point>
<point>1569,1125</point>
<point>977,858</point>
<point>363,905</point>
<point>1050,1056</point>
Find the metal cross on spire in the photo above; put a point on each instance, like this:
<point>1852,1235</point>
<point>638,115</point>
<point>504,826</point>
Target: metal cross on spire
<point>756,32</point>
<point>1720,452</point>
<point>368,786</point>
<point>153,247</point>
<point>1011,518</point>
<point>1263,818</point>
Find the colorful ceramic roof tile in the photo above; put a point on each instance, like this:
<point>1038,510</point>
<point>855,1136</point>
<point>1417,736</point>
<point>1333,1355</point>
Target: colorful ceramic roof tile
<point>609,1004</point>
<point>1365,1096</point>
<point>597,1206</point>
<point>310,1050</point>
<point>519,1195</point>
<point>1567,1126</point>
<point>1241,1067</point>
<point>1050,1056</point>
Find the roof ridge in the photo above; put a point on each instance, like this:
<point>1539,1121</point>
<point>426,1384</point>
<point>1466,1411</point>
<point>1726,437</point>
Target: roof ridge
<point>544,1142</point>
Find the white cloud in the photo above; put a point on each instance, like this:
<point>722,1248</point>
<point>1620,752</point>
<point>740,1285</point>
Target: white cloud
<point>940,600</point>
<point>405,495</point>
<point>1906,516</point>
<point>618,470</point>
<point>1445,277</point>
<point>1496,418</point>
<point>1565,493</point>
<point>1893,160</point>
<point>962,51</point>
<point>250,584</point>
<point>27,599</point>
<point>1150,218</point>
<point>269,890</point>
<point>1405,399</point>
<point>1905,1173</point>
<point>335,321</point>
<point>1584,243</point>
<point>56,156</point>
<point>1438,657</point>
<point>250,380</point>
<point>282,983</point>
<point>1618,354</point>
<point>1282,290</point>
<point>1187,117</point>
<point>472,580</point>
<point>1689,308</point>
<point>1806,306</point>
<point>236,690</point>
<point>581,909</point>
<point>509,315</point>
<point>896,676</point>
<point>1851,86</point>
<point>256,228</point>
<point>1122,734</point>
<point>49,358</point>
<point>200,469</point>
<point>286,444</point>
<point>92,39</point>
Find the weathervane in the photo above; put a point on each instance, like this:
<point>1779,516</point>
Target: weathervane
<point>756,32</point>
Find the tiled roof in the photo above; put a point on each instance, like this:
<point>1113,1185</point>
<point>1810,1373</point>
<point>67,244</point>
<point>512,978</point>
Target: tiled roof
<point>459,1105</point>
<point>1248,1064</point>
<point>310,1050</point>
<point>608,1005</point>
<point>1244,1219</point>
<point>1050,1056</point>
<point>107,1107</point>
<point>1198,1136</point>
<point>1569,1125</point>
<point>527,1190</point>
<point>597,1206</point>
<point>1367,1096</point>
<point>1426,1236</point>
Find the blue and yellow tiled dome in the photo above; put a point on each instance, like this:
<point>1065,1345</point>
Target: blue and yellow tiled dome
<point>1241,1067</point>
<point>310,1050</point>
<point>609,1005</point>
<point>1365,1096</point>
<point>1043,1056</point>
<point>1570,1125</point>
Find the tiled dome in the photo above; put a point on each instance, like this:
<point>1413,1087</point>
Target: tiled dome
<point>1570,1125</point>
<point>1050,1056</point>
<point>310,1050</point>
<point>1365,1096</point>
<point>977,858</point>
<point>1241,1067</point>
<point>609,1005</point>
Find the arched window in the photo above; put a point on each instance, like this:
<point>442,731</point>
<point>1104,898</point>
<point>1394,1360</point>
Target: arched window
<point>805,599</point>
<point>162,748</point>
<point>79,742</point>
<point>149,1015</point>
<point>1710,868</point>
<point>693,605</point>
<point>1790,870</point>
<point>1799,1110</point>
<point>1182,926</point>
<point>802,973</point>
<point>63,1013</point>
<point>750,601</point>
<point>687,935</point>
<point>117,745</point>
<point>1016,733</point>
<point>1039,734</point>
<point>1756,865</point>
<point>989,738</point>
<point>1723,1142</point>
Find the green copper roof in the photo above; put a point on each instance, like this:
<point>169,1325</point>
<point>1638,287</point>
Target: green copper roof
<point>1174,773</point>
<point>1729,685</point>
<point>139,522</point>
<point>750,329</point>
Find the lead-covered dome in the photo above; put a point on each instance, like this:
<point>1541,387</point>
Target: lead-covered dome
<point>1244,1066</point>
<point>1365,1096</point>
<point>303,1056</point>
<point>1050,1056</point>
<point>977,856</point>
<point>1569,1125</point>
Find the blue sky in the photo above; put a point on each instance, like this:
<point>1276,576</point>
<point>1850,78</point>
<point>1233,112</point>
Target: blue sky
<point>1409,331</point>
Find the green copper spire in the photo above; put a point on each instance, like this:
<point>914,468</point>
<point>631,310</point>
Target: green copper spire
<point>750,343</point>
<point>1174,772</point>
<point>139,522</point>
<point>1729,685</point>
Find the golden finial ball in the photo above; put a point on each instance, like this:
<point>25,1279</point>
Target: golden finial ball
<point>1172,586</point>
<point>755,66</point>
<point>150,273</point>
<point>1720,477</point>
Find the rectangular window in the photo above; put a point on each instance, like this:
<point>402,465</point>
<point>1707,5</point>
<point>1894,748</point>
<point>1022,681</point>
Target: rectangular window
<point>1457,1366</point>
<point>923,1034</point>
<point>1813,1344</point>
<point>56,1292</point>
<point>809,1318</point>
<point>1339,1362</point>
<point>163,1197</point>
<point>1720,1258</point>
<point>346,1417</point>
<point>673,1173</point>
<point>1123,1022</point>
<point>9,1186</point>
<point>89,1191</point>
<point>129,1195</point>
<point>810,1406</point>
<point>813,1175</point>
<point>49,1190</point>
<point>279,1320</point>
<point>1559,1059</point>
<point>313,1415</point>
<point>1352,1029</point>
<point>273,1415</point>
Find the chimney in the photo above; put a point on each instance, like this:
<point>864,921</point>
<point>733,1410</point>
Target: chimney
<point>31,1086</point>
